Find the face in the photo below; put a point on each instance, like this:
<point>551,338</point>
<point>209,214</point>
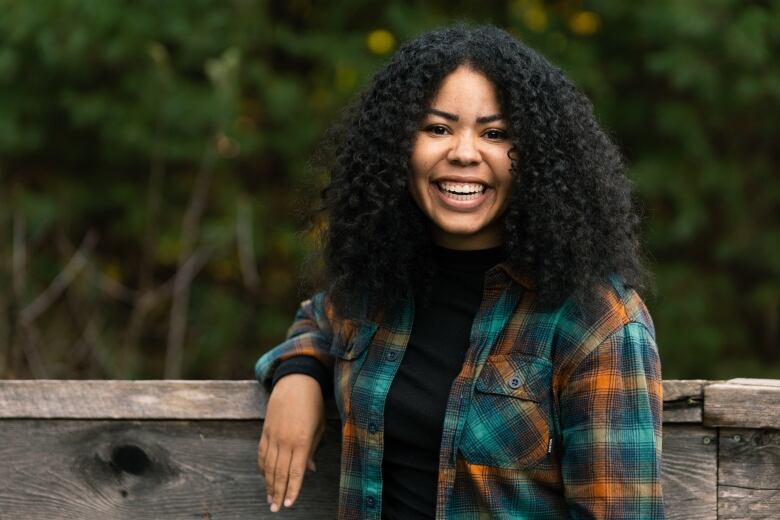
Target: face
<point>460,165</point>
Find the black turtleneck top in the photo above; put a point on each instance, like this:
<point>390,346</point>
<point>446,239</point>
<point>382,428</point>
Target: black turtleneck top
<point>416,402</point>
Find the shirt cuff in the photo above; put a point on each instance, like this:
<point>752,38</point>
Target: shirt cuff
<point>309,366</point>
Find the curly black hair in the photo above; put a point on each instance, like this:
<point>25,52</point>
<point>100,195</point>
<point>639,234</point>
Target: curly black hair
<point>570,221</point>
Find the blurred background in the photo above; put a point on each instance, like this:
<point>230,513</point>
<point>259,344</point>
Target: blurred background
<point>153,159</point>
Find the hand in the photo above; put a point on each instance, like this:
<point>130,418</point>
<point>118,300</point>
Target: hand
<point>293,427</point>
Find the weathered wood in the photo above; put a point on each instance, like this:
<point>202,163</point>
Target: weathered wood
<point>683,400</point>
<point>749,474</point>
<point>149,470</point>
<point>149,399</point>
<point>680,389</point>
<point>206,400</point>
<point>188,449</point>
<point>167,399</point>
<point>745,403</point>
<point>690,472</point>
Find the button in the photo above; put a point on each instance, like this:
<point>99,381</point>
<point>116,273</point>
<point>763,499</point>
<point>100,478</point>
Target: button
<point>391,355</point>
<point>514,382</point>
<point>370,501</point>
<point>372,427</point>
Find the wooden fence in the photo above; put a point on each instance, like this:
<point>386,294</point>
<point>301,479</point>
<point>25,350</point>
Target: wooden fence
<point>187,449</point>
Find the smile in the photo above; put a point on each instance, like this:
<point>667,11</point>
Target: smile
<point>462,190</point>
<point>460,196</point>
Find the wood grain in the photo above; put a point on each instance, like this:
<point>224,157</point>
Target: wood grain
<point>749,474</point>
<point>188,449</point>
<point>690,472</point>
<point>679,389</point>
<point>167,399</point>
<point>149,399</point>
<point>206,400</point>
<point>683,400</point>
<point>148,470</point>
<point>751,403</point>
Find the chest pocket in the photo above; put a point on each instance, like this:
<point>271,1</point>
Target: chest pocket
<point>349,354</point>
<point>508,422</point>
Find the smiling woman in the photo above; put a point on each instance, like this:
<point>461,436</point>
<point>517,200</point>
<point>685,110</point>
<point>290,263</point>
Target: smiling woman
<point>479,325</point>
<point>460,166</point>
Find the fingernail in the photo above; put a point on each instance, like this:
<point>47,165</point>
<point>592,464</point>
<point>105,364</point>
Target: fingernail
<point>270,498</point>
<point>287,502</point>
<point>274,508</point>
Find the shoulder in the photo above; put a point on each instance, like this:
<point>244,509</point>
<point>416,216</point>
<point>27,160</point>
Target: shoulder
<point>606,307</point>
<point>610,307</point>
<point>343,328</point>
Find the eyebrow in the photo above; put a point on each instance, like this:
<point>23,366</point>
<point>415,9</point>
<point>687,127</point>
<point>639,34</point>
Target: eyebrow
<point>453,117</point>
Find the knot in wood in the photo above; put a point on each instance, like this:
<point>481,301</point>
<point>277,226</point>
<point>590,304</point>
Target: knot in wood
<point>130,459</point>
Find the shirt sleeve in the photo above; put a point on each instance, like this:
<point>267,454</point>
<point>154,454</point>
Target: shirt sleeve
<point>309,366</point>
<point>309,335</point>
<point>610,414</point>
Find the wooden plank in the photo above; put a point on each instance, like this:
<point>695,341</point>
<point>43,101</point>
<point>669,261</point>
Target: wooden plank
<point>167,399</point>
<point>148,399</point>
<point>736,403</point>
<point>754,382</point>
<point>749,474</point>
<point>680,389</point>
<point>683,400</point>
<point>148,470</point>
<point>690,472</point>
<point>206,400</point>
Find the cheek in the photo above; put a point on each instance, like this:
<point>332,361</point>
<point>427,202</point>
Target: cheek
<point>417,168</point>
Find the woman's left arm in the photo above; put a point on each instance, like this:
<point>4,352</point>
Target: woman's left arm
<point>610,415</point>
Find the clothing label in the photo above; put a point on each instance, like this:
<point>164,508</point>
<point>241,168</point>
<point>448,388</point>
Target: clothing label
<point>549,446</point>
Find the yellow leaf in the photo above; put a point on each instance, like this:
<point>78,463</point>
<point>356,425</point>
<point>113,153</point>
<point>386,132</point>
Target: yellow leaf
<point>535,18</point>
<point>584,23</point>
<point>380,41</point>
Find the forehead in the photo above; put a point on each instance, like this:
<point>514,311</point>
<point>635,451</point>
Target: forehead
<point>466,91</point>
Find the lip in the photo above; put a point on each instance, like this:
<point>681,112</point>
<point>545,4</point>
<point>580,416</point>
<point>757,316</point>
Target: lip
<point>460,205</point>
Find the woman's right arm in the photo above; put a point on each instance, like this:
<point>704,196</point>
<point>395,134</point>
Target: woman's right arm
<point>309,335</point>
<point>295,415</point>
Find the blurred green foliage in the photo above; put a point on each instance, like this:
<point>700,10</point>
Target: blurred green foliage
<point>180,132</point>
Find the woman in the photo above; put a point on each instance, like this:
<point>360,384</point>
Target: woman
<point>480,329</point>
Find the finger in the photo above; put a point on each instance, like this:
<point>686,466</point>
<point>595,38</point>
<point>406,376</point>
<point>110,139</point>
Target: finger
<point>270,466</point>
<point>280,478</point>
<point>262,446</point>
<point>295,479</point>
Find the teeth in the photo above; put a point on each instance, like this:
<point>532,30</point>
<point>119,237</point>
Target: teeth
<point>460,196</point>
<point>463,188</point>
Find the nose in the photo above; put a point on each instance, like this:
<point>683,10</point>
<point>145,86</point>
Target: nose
<point>464,150</point>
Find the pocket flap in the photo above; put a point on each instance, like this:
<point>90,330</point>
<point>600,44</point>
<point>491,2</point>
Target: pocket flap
<point>516,375</point>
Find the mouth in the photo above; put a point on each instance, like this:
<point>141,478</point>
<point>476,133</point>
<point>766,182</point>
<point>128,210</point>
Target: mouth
<point>462,191</point>
<point>461,196</point>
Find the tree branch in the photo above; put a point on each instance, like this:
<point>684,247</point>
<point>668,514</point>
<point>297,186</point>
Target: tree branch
<point>74,266</point>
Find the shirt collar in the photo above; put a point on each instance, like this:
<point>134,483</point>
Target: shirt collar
<point>514,274</point>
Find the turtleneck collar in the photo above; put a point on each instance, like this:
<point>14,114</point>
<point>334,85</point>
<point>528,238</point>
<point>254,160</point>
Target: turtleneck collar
<point>468,260</point>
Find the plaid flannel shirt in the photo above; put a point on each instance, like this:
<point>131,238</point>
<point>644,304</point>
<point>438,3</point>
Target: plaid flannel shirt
<point>553,415</point>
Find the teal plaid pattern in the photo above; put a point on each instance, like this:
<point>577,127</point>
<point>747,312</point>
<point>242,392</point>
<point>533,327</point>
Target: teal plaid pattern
<point>553,415</point>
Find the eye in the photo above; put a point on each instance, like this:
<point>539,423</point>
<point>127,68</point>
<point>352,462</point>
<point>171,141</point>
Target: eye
<point>495,134</point>
<point>436,129</point>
